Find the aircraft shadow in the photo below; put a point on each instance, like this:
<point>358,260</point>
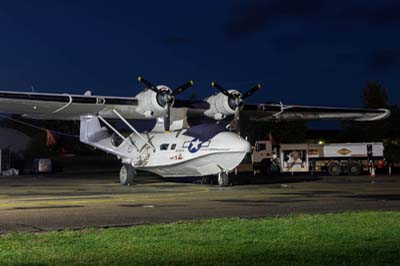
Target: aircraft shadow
<point>246,179</point>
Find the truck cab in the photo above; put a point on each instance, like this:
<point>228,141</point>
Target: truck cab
<point>262,157</point>
<point>262,150</point>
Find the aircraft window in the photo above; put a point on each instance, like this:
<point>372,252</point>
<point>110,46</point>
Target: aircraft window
<point>164,147</point>
<point>260,147</point>
<point>173,146</point>
<point>116,140</point>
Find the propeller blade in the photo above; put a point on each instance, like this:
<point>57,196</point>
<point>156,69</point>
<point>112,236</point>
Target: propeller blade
<point>237,120</point>
<point>148,84</point>
<point>251,91</point>
<point>167,117</point>
<point>183,87</point>
<point>218,87</point>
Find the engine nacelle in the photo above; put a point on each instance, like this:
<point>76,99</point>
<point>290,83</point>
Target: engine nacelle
<point>220,105</point>
<point>150,103</point>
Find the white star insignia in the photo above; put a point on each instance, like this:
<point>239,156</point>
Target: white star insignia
<point>195,145</point>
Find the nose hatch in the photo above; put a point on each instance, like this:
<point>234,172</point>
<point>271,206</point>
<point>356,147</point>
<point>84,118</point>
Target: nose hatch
<point>246,147</point>
<point>242,144</point>
<point>233,142</point>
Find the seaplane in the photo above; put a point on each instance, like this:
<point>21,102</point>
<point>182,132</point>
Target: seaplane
<point>174,147</point>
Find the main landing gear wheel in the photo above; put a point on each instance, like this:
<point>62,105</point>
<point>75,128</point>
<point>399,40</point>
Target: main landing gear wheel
<point>126,174</point>
<point>223,179</point>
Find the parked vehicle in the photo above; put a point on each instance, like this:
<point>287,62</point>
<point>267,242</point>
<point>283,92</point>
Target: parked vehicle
<point>334,158</point>
<point>39,165</point>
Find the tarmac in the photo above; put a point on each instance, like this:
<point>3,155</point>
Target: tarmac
<point>87,200</point>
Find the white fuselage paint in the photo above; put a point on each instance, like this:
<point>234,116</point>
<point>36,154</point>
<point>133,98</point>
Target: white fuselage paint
<point>180,155</point>
<point>170,154</point>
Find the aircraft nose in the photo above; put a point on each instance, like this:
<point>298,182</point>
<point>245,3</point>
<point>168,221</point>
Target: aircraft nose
<point>233,141</point>
<point>246,146</point>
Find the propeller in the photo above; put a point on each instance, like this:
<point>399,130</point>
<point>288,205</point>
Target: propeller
<point>235,99</point>
<point>166,97</point>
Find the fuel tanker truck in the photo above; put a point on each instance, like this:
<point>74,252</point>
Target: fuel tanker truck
<point>333,158</point>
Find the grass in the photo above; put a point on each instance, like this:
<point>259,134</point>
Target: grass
<point>359,238</point>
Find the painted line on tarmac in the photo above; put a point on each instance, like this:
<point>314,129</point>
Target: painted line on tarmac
<point>255,192</point>
<point>55,197</point>
<point>129,198</point>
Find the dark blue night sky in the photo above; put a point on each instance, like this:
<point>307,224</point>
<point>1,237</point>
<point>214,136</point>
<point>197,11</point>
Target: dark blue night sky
<point>302,52</point>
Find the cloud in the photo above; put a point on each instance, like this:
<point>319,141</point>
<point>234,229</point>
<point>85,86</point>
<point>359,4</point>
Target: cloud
<point>380,13</point>
<point>384,59</point>
<point>253,16</point>
<point>252,19</point>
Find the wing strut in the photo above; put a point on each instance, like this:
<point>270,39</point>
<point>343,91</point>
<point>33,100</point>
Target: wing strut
<point>111,127</point>
<point>133,129</point>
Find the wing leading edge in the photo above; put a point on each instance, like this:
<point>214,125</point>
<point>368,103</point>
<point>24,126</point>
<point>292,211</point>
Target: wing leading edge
<point>271,111</point>
<point>71,107</point>
<point>65,106</point>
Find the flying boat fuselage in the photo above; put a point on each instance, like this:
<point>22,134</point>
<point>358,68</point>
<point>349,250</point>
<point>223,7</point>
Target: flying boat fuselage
<point>176,154</point>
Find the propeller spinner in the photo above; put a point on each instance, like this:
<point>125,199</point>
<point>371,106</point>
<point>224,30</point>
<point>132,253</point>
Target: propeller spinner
<point>166,97</point>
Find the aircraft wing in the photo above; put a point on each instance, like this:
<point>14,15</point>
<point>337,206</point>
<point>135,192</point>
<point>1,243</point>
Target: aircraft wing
<point>278,111</point>
<point>66,106</point>
<point>272,111</point>
<point>72,106</point>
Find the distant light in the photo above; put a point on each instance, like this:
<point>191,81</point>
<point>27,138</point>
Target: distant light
<point>320,142</point>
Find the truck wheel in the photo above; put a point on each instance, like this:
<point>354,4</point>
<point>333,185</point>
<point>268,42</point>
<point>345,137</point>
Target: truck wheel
<point>265,168</point>
<point>126,174</point>
<point>354,169</point>
<point>335,169</point>
<point>223,179</point>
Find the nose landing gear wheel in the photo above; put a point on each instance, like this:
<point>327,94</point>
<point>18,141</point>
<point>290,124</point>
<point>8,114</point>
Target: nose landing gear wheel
<point>126,174</point>
<point>223,179</point>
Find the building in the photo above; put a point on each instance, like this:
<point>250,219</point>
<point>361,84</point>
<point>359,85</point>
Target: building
<point>13,143</point>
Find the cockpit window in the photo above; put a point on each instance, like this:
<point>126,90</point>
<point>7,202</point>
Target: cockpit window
<point>164,146</point>
<point>260,147</point>
<point>173,146</point>
<point>116,140</point>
